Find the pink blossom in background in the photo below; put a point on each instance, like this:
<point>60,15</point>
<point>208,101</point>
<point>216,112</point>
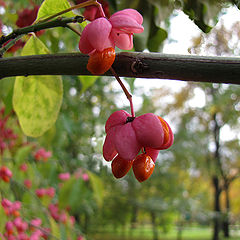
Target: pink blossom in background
<point>40,192</point>
<point>60,215</point>
<point>42,154</point>
<point>117,31</point>
<point>64,176</point>
<point>23,167</point>
<point>78,173</point>
<point>36,222</point>
<point>63,217</point>
<point>54,211</point>
<point>16,205</point>
<point>37,235</point>
<point>85,177</point>
<point>50,192</point>
<point>6,203</point>
<point>9,227</point>
<point>22,236</point>
<point>5,173</point>
<point>80,238</point>
<point>11,208</point>
<point>45,192</point>
<point>72,220</point>
<point>27,183</point>
<point>20,225</point>
<point>2,3</point>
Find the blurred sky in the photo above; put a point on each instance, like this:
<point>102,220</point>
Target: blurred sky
<point>178,42</point>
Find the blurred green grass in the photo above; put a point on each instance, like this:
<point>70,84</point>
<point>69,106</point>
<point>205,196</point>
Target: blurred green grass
<point>195,233</point>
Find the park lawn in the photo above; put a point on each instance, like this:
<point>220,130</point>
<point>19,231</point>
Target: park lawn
<point>193,233</point>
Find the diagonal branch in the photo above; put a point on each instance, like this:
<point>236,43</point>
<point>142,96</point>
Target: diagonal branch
<point>59,22</point>
<point>130,64</point>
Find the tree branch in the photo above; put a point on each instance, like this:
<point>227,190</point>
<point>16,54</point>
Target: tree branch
<point>59,22</point>
<point>130,64</point>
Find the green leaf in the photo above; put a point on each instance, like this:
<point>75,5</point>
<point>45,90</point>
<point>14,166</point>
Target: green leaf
<point>17,188</point>
<point>98,188</point>
<point>155,40</point>
<point>22,154</point>
<point>72,193</point>
<point>87,82</point>
<point>37,99</point>
<point>6,92</point>
<point>47,138</point>
<point>163,10</point>
<point>3,218</point>
<point>76,194</point>
<point>64,192</point>
<point>140,40</point>
<point>55,231</point>
<point>51,7</point>
<point>203,13</point>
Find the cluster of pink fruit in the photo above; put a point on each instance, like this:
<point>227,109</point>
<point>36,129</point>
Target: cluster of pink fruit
<point>60,215</point>
<point>127,136</point>
<point>41,192</point>
<point>42,155</point>
<point>7,141</point>
<point>7,136</point>
<point>5,173</point>
<point>16,228</point>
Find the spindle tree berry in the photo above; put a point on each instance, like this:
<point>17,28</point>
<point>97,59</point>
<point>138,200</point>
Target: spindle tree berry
<point>100,62</point>
<point>103,33</point>
<point>92,12</point>
<point>127,136</point>
<point>143,167</point>
<point>120,167</point>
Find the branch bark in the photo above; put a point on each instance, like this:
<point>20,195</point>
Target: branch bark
<point>130,64</point>
<point>59,22</point>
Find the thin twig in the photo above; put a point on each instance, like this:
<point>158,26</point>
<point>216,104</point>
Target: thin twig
<point>81,5</point>
<point>74,30</point>
<point>9,45</point>
<point>18,33</point>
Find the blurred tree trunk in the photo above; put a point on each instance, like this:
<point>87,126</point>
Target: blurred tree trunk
<point>217,209</point>
<point>226,222</point>
<point>179,230</point>
<point>134,216</point>
<point>154,225</point>
<point>216,179</point>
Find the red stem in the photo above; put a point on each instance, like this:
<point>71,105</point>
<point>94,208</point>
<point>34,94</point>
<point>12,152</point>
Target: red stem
<point>99,5</point>
<point>128,95</point>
